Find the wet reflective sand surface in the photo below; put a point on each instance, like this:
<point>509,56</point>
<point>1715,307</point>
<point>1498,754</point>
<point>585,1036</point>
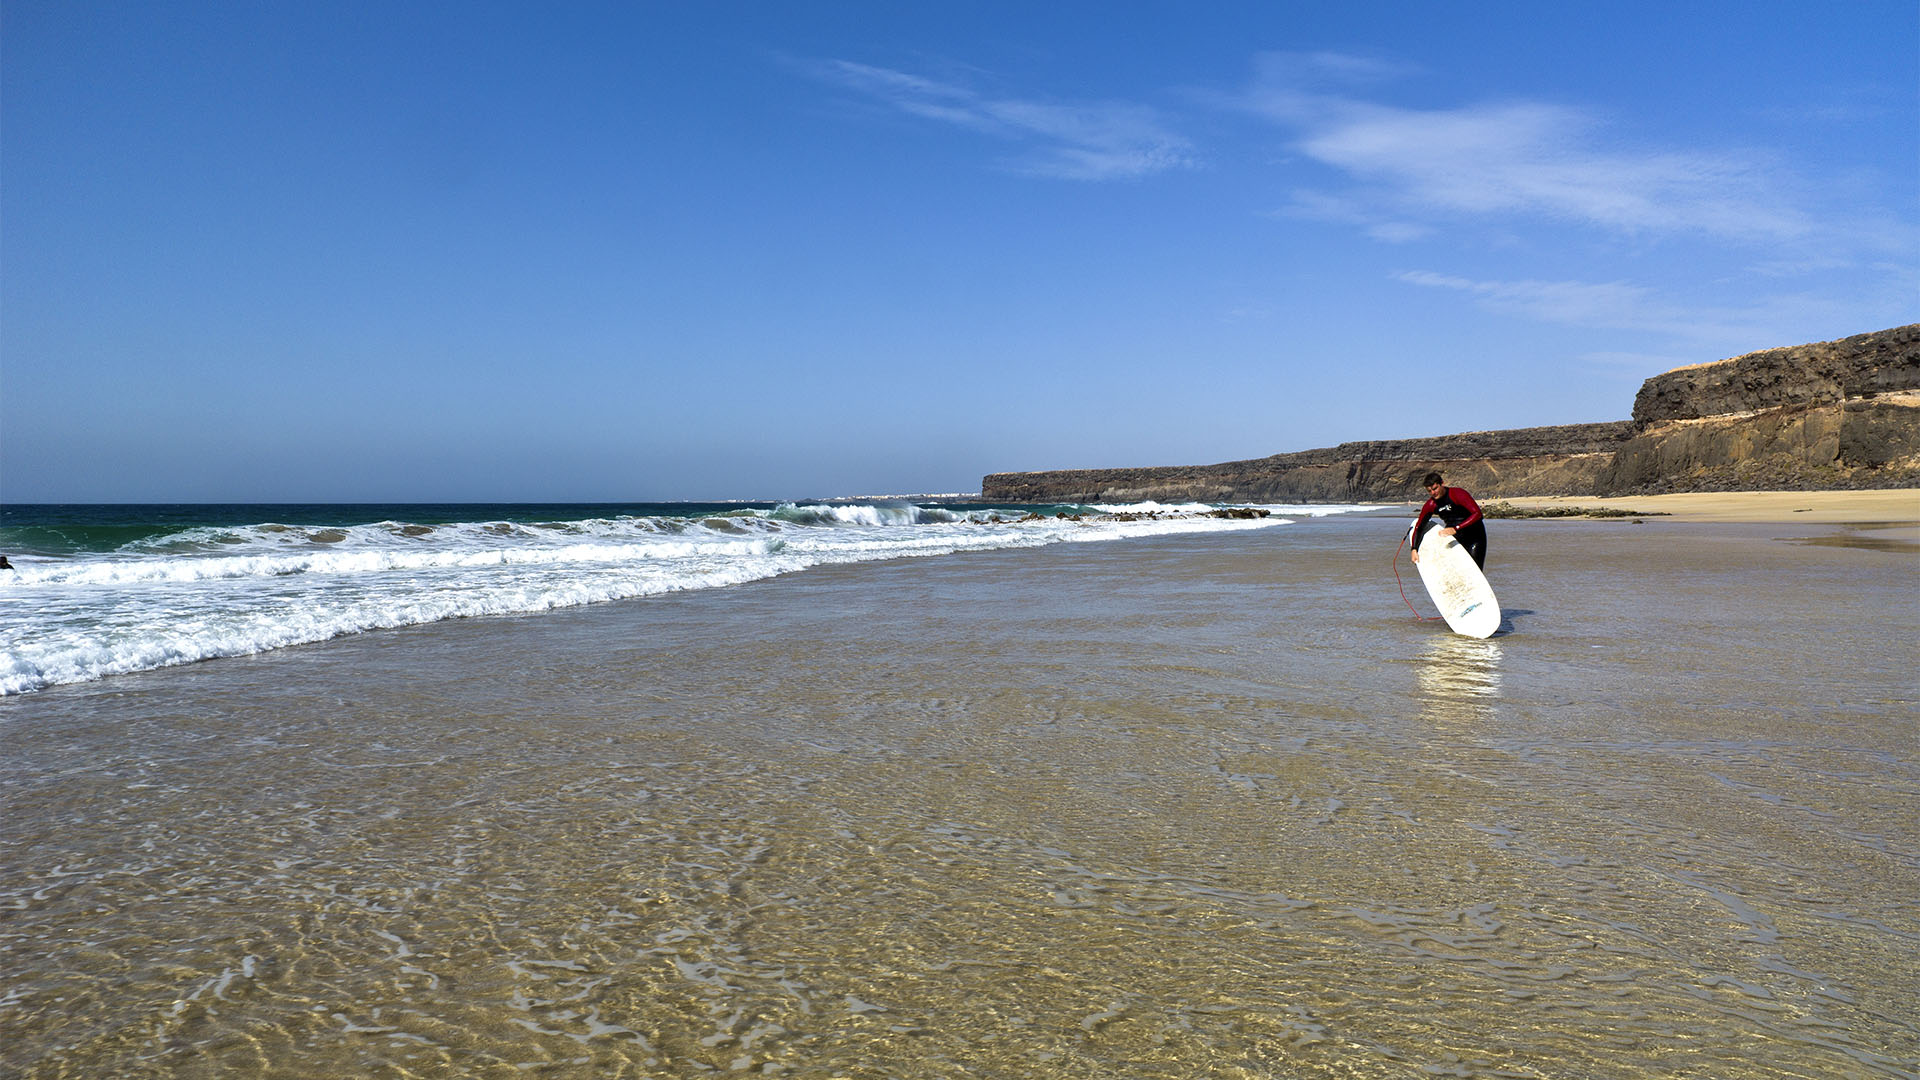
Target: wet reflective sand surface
<point>1209,806</point>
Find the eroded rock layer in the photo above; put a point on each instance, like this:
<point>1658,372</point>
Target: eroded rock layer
<point>1799,376</point>
<point>1836,414</point>
<point>1859,443</point>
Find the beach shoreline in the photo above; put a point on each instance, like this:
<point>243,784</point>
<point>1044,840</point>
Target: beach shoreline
<point>1184,805</point>
<point>1876,506</point>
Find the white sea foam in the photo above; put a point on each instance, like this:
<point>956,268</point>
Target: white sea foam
<point>1318,510</point>
<point>1282,509</point>
<point>211,592</point>
<point>1151,507</point>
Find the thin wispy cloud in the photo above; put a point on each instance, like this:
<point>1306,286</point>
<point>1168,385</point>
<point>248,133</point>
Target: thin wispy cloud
<point>1611,304</point>
<point>1084,141</point>
<point>1636,364</point>
<point>1288,79</point>
<point>1619,305</point>
<point>1846,103</point>
<point>1522,159</point>
<point>1322,206</point>
<point>1530,175</point>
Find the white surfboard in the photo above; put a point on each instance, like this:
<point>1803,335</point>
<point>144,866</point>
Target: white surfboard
<point>1457,586</point>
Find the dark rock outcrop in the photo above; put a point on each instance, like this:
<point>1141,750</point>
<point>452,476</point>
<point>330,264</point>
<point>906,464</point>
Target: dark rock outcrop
<point>1837,414</point>
<point>1866,443</point>
<point>1565,460</point>
<point>1824,373</point>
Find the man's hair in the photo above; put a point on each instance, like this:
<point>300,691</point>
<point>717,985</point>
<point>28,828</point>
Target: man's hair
<point>1432,478</point>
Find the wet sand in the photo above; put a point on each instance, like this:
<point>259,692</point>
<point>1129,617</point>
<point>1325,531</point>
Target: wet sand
<point>1207,806</point>
<point>1900,506</point>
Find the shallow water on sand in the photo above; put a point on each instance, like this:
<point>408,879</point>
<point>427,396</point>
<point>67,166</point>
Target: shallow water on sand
<point>1182,807</point>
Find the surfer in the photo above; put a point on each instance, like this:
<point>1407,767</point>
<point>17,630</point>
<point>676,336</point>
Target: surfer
<point>1458,513</point>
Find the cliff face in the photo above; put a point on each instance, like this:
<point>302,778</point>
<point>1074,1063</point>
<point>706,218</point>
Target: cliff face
<point>1563,460</point>
<point>1859,443</point>
<point>1834,414</point>
<point>1800,376</point>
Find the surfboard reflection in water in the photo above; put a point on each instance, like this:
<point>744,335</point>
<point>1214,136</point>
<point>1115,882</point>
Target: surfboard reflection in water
<point>1159,810</point>
<point>1459,680</point>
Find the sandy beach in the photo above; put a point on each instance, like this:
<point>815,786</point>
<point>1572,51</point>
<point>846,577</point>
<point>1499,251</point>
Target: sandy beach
<point>1900,505</point>
<point>1200,806</point>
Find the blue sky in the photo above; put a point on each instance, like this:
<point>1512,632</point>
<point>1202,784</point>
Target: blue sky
<point>641,251</point>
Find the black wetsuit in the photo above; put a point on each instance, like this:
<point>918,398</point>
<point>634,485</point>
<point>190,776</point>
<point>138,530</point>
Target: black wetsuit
<point>1458,511</point>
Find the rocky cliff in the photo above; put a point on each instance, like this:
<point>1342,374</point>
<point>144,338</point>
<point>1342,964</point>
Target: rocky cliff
<point>1799,376</point>
<point>1857,443</point>
<point>1834,414</point>
<point>1544,461</point>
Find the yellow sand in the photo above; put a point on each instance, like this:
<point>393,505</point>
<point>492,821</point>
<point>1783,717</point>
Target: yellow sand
<point>1884,505</point>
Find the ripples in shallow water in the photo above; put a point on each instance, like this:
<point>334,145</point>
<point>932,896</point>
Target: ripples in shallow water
<point>1099,823</point>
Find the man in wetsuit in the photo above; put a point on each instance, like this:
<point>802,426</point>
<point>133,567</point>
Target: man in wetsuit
<point>1458,513</point>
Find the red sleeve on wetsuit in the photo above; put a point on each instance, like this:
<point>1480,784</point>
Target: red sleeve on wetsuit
<point>1465,502</point>
<point>1426,511</point>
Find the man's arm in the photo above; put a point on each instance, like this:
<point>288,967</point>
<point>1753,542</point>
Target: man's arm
<point>1426,511</point>
<point>1413,544</point>
<point>1465,502</point>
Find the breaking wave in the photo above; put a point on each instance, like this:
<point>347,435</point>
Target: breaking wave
<point>173,595</point>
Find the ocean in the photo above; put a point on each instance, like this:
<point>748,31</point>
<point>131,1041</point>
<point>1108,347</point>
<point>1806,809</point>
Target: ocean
<point>107,590</point>
<point>1202,799</point>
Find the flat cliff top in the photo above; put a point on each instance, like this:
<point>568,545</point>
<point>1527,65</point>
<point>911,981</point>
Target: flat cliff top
<point>1822,416</point>
<point>1561,439</point>
<point>1846,344</point>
